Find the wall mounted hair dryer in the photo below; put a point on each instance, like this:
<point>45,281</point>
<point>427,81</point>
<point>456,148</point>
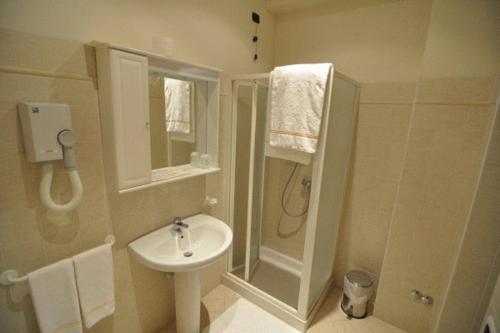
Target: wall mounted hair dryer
<point>48,136</point>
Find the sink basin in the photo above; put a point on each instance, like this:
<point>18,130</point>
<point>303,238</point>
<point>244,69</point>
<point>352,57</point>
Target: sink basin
<point>185,252</point>
<point>166,250</point>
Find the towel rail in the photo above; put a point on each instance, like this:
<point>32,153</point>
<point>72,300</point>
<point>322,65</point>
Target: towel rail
<point>10,276</point>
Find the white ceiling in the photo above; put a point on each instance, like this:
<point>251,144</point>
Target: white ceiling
<point>286,6</point>
<point>289,6</point>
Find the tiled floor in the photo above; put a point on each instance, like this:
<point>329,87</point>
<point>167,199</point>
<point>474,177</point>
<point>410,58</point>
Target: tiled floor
<point>246,317</point>
<point>276,282</point>
<point>227,312</point>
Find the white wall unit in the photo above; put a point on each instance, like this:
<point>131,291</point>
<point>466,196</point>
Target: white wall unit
<point>212,128</point>
<point>123,78</point>
<point>124,104</point>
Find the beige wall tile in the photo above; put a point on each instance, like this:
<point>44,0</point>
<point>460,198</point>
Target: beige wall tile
<point>375,167</point>
<point>467,89</point>
<point>440,174</point>
<point>473,277</point>
<point>281,232</point>
<point>31,236</point>
<point>388,92</point>
<point>30,51</point>
<point>25,257</point>
<point>440,169</point>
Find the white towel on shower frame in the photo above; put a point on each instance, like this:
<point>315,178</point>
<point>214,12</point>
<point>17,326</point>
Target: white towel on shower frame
<point>296,104</point>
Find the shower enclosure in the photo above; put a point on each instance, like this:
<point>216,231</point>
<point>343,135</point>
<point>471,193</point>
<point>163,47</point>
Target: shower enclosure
<point>284,215</point>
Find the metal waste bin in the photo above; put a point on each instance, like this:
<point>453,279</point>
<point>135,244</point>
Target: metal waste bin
<point>358,288</point>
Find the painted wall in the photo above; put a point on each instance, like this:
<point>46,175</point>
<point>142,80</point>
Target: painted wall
<point>216,33</point>
<point>463,39</point>
<point>43,58</point>
<point>381,43</point>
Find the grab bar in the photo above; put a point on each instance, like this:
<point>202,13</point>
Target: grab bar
<point>10,276</point>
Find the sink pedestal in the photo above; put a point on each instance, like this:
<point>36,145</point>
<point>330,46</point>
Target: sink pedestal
<point>185,252</point>
<point>187,301</point>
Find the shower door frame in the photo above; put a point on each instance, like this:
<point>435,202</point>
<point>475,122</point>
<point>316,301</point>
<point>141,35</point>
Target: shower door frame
<point>246,80</point>
<point>269,303</point>
<point>301,317</point>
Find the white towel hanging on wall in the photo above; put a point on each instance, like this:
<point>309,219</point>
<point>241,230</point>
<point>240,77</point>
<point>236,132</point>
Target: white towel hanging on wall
<point>94,277</point>
<point>55,298</point>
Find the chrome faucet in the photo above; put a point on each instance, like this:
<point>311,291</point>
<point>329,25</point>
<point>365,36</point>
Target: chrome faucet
<point>179,224</point>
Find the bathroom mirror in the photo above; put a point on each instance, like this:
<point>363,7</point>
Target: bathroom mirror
<point>178,119</point>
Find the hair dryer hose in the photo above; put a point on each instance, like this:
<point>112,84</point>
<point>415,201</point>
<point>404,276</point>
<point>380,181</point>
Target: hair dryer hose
<point>46,183</point>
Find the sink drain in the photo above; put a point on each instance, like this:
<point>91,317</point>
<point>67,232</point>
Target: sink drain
<point>188,254</point>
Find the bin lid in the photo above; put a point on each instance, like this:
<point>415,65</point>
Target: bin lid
<point>359,279</point>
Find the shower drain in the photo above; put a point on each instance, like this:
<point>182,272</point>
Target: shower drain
<point>188,254</point>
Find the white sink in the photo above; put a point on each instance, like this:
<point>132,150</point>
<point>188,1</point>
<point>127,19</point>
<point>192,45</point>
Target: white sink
<point>167,250</point>
<point>185,252</point>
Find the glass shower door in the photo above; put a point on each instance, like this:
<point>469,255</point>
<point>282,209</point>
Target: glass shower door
<point>249,122</point>
<point>242,138</point>
<point>256,178</point>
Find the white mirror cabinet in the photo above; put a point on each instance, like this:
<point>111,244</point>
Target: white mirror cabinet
<point>159,117</point>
